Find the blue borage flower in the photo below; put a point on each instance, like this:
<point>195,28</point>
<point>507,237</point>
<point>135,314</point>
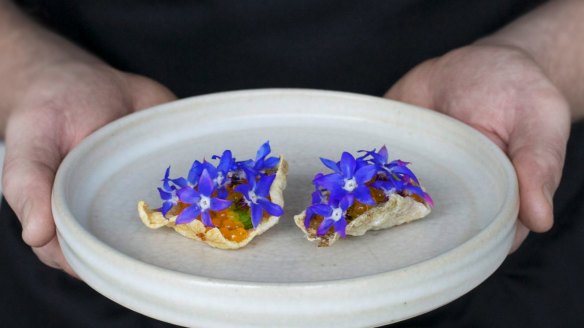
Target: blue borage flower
<point>206,187</point>
<point>201,201</point>
<point>261,164</point>
<point>347,179</point>
<point>353,180</point>
<point>334,214</point>
<point>169,199</point>
<point>256,197</point>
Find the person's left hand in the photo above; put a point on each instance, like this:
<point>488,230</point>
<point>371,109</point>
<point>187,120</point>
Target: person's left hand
<point>504,94</point>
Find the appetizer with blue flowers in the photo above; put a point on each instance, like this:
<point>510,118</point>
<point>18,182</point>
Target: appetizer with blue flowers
<point>224,205</point>
<point>362,194</point>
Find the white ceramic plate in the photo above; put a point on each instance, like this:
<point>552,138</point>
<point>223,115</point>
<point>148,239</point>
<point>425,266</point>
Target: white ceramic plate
<point>281,279</point>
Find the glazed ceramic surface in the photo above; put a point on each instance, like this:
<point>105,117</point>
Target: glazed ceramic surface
<point>281,279</point>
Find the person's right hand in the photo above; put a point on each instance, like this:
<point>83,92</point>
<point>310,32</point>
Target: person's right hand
<point>58,105</point>
<point>503,93</point>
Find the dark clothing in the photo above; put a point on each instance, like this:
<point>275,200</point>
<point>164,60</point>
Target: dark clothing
<point>197,47</point>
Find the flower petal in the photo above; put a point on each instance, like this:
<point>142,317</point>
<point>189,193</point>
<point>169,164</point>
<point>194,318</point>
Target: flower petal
<point>262,187</point>
<point>309,215</point>
<point>271,208</point>
<point>256,214</point>
<point>330,181</point>
<point>376,158</point>
<point>206,184</point>
<point>211,169</point>
<point>188,214</point>
<point>367,153</point>
<point>384,154</point>
<point>206,219</point>
<point>259,165</point>
<point>195,172</point>
<point>322,209</point>
<point>348,165</point>
<point>243,189</point>
<point>397,162</point>
<point>271,162</point>
<point>324,227</point>
<point>340,227</point>
<point>428,199</point>
<point>219,204</point>
<point>336,194</point>
<point>164,195</point>
<point>181,182</point>
<point>166,206</point>
<point>389,186</point>
<point>331,165</point>
<point>365,174</point>
<point>167,173</point>
<point>166,181</point>
<point>403,170</point>
<point>346,202</point>
<point>360,163</point>
<point>263,151</point>
<point>226,162</point>
<point>222,193</point>
<point>250,175</point>
<point>247,163</point>
<point>381,185</point>
<point>317,197</point>
<point>188,195</point>
<point>363,194</point>
<point>420,193</point>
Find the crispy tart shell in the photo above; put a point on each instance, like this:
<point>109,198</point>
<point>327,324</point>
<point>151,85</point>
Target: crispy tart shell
<point>395,211</point>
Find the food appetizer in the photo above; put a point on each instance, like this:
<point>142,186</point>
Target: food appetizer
<point>225,206</point>
<point>361,194</point>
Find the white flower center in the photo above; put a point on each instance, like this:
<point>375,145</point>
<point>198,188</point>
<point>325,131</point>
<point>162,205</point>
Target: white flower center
<point>253,197</point>
<point>350,185</point>
<point>219,179</point>
<point>389,192</point>
<point>204,203</point>
<point>337,214</point>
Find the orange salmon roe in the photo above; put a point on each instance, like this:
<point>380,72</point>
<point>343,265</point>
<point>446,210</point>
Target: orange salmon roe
<point>225,220</point>
<point>357,209</point>
<point>418,198</point>
<point>182,206</point>
<point>378,195</point>
<point>230,228</point>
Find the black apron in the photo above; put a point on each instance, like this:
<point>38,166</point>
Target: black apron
<point>198,47</point>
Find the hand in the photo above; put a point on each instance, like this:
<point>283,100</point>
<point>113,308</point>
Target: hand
<point>503,93</point>
<point>59,106</point>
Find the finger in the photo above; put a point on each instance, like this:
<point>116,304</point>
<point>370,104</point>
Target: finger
<point>520,235</point>
<point>537,149</point>
<point>414,87</point>
<point>52,255</point>
<point>32,158</point>
<point>146,92</point>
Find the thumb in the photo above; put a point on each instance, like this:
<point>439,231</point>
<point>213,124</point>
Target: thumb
<point>146,92</point>
<point>414,87</point>
<point>537,149</point>
<point>32,159</point>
